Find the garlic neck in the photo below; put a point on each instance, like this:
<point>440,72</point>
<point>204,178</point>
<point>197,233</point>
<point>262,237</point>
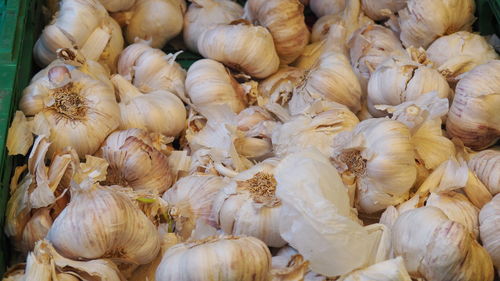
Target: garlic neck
<point>125,89</point>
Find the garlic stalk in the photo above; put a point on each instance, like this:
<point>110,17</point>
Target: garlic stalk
<point>229,258</point>
<point>285,20</point>
<point>486,165</point>
<point>205,14</point>
<point>134,162</point>
<point>384,171</point>
<point>422,22</point>
<point>160,105</point>
<point>209,82</point>
<point>327,7</point>
<point>71,106</point>
<point>381,10</point>
<point>488,220</point>
<point>19,136</point>
<point>241,46</point>
<point>458,53</point>
<point>389,270</point>
<point>473,117</point>
<point>437,248</point>
<point>83,24</point>
<point>157,21</point>
<point>152,70</point>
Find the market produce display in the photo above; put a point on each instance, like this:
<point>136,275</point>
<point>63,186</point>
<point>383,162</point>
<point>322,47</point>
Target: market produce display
<point>360,146</point>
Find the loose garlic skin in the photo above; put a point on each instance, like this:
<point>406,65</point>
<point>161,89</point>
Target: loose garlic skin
<point>455,54</point>
<point>285,20</point>
<point>205,14</point>
<point>241,46</point>
<point>327,7</point>
<point>486,165</point>
<point>209,82</point>
<point>399,79</point>
<point>382,9</point>
<point>473,116</point>
<point>278,88</point>
<point>422,21</point>
<point>436,248</point>
<point>489,228</point>
<point>225,258</point>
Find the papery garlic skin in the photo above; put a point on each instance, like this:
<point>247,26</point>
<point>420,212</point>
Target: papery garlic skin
<point>486,165</point>
<point>278,88</point>
<point>285,20</point>
<point>436,248</point>
<point>389,270</point>
<point>327,7</point>
<point>489,227</point>
<point>209,82</point>
<point>473,116</point>
<point>382,9</point>
<point>241,46</point>
<point>20,136</point>
<point>205,14</point>
<point>459,52</point>
<point>228,258</point>
<point>379,153</point>
<point>422,22</point>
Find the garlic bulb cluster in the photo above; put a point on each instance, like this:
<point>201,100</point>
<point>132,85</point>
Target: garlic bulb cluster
<point>285,20</point>
<point>327,7</point>
<point>473,116</point>
<point>241,46</point>
<point>151,69</point>
<point>73,106</point>
<point>166,112</point>
<point>459,52</point>
<point>422,22</point>
<point>486,165</point>
<point>437,248</point>
<point>83,24</point>
<point>488,218</point>
<point>155,20</point>
<point>380,10</point>
<point>225,258</point>
<point>205,14</point>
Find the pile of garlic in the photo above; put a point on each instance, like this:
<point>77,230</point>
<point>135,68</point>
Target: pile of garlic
<point>364,147</point>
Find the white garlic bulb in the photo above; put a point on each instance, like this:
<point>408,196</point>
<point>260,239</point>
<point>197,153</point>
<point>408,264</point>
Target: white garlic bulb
<point>422,21</point>
<point>459,52</point>
<point>285,20</point>
<point>85,25</point>
<point>327,7</point>
<point>117,5</point>
<point>166,112</point>
<point>152,70</point>
<point>205,14</point>
<point>389,270</point>
<point>225,258</point>
<point>134,162</point>
<point>191,199</point>
<point>385,170</point>
<point>154,20</point>
<point>72,107</point>
<point>486,165</point>
<point>437,248</point>
<point>102,221</point>
<point>241,46</point>
<point>473,116</point>
<point>382,9</point>
<point>489,227</point>
<point>208,82</point>
<point>400,79</point>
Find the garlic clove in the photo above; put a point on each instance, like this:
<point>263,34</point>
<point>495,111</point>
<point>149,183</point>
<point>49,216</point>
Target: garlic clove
<point>36,229</point>
<point>323,7</point>
<point>488,223</point>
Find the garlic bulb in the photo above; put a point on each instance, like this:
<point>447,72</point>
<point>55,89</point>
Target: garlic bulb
<point>486,165</point>
<point>369,47</point>
<point>437,248</point>
<point>399,79</point>
<point>191,199</point>
<point>241,46</point>
<point>226,258</point>
<point>385,170</point>
<point>71,107</point>
<point>389,270</point>
<point>209,82</point>
<point>332,80</point>
<point>310,55</point>
<point>166,112</point>
<point>83,229</point>
<point>381,10</point>
<point>459,52</point>
<point>249,206</point>
<point>327,7</point>
<point>154,20</point>
<point>85,25</point>
<point>488,223</point>
<point>152,70</point>
<point>285,20</point>
<point>134,162</point>
<point>205,14</point>
<point>36,228</point>
<point>473,114</point>
<point>421,22</point>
